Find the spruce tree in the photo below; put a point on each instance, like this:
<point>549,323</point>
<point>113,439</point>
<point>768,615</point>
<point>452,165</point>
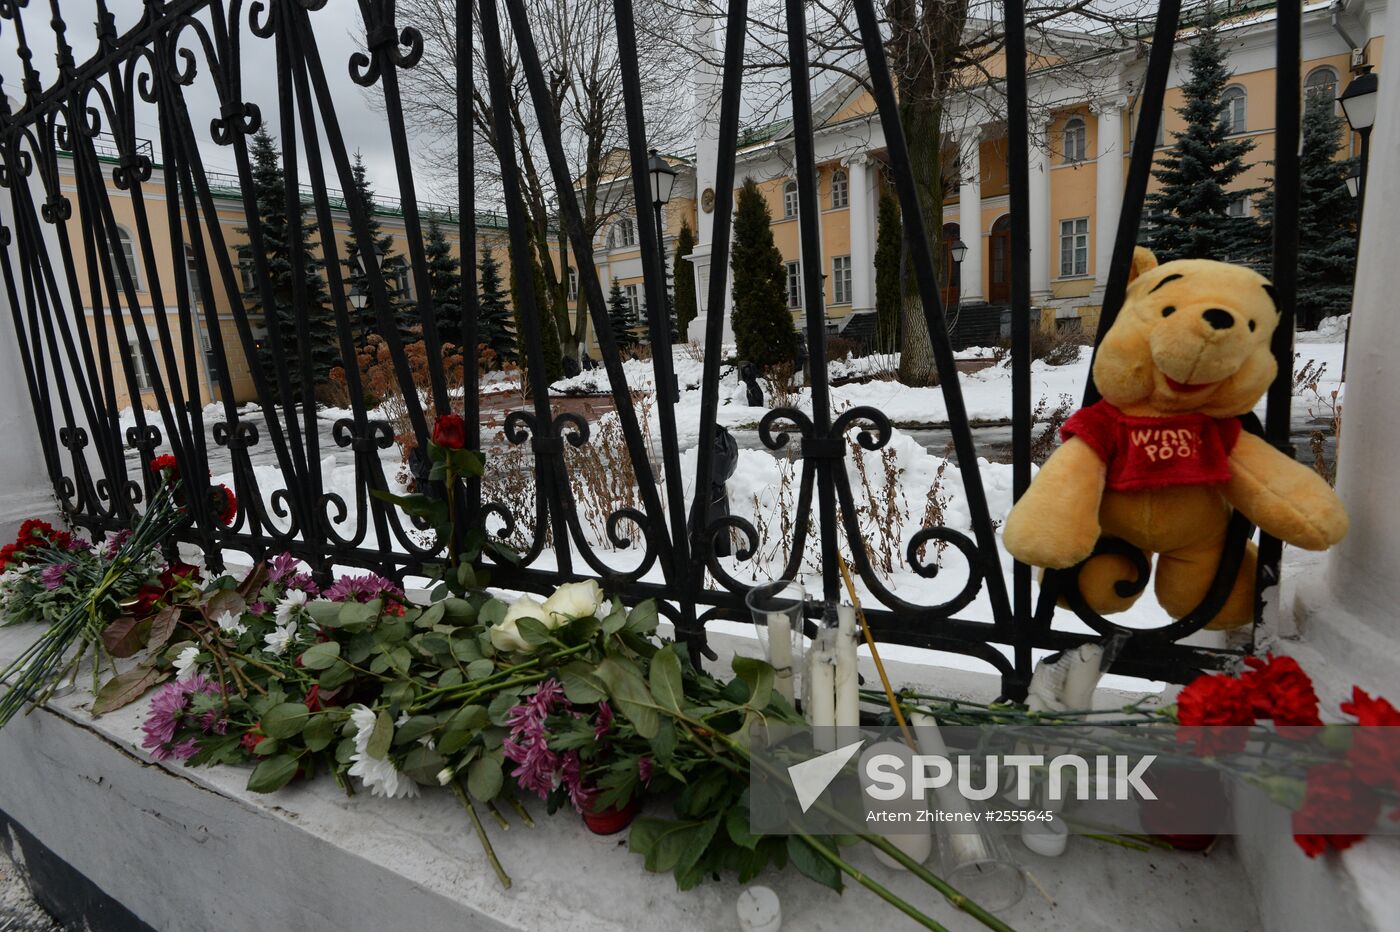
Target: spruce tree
<point>445,280</point>
<point>1190,218</point>
<point>889,243</point>
<point>620,317</point>
<point>384,243</point>
<point>1326,219</point>
<point>275,227</point>
<point>763,326</point>
<point>493,317</point>
<point>684,278</point>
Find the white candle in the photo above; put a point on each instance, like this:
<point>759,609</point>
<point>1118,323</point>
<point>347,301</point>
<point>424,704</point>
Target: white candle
<point>780,653</point>
<point>1085,669</point>
<point>847,674</point>
<point>821,692</point>
<point>914,837</point>
<point>759,910</point>
<point>967,845</point>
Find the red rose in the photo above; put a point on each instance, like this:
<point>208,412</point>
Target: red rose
<point>1281,691</point>
<point>147,597</point>
<point>1375,748</point>
<point>1336,812</point>
<point>313,695</point>
<point>177,571</point>
<point>450,431</point>
<point>1214,700</point>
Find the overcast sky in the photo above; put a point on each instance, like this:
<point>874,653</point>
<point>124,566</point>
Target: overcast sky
<point>339,33</point>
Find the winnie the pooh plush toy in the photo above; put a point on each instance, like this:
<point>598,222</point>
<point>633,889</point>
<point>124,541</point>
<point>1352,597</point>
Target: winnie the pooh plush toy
<point>1162,461</point>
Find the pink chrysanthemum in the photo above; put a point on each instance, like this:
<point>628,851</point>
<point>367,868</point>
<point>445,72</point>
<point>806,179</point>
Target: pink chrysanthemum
<point>170,713</point>
<point>361,588</point>
<point>52,575</point>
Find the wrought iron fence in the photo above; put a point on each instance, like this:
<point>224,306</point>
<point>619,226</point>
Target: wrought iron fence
<point>83,328</point>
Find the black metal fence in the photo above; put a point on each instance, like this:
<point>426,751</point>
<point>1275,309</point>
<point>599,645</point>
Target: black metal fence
<point>52,156</point>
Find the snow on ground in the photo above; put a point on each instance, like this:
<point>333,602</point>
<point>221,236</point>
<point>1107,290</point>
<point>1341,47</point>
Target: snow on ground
<point>892,488</point>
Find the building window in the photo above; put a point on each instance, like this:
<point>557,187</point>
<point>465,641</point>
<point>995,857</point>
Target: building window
<point>1239,207</point>
<point>634,303</point>
<point>790,199</point>
<point>124,256</point>
<point>623,233</point>
<point>1233,109</point>
<point>1074,247</point>
<point>840,189</point>
<point>140,374</point>
<point>573,283</point>
<point>1076,140</point>
<point>1320,88</point>
<point>400,280</point>
<point>245,268</point>
<point>794,282</point>
<point>192,278</point>
<point>841,280</point>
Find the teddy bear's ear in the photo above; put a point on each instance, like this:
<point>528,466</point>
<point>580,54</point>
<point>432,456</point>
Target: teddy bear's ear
<point>1143,262</point>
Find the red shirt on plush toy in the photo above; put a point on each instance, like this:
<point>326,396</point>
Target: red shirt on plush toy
<point>1156,452</point>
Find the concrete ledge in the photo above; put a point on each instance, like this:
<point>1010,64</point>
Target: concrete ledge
<point>185,848</point>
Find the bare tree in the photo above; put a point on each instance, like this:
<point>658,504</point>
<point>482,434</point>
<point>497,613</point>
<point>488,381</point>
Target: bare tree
<point>939,51</point>
<point>577,44</point>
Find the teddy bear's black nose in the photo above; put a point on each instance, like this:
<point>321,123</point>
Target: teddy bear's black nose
<point>1219,318</point>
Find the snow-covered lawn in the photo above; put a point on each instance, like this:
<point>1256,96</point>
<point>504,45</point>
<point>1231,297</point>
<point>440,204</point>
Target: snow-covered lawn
<point>897,489</point>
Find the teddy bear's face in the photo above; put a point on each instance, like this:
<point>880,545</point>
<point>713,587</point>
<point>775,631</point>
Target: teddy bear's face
<point>1193,335</point>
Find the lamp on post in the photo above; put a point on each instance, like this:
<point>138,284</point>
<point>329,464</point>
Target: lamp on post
<point>1353,179</point>
<point>1359,105</point>
<point>663,179</point>
<point>958,252</point>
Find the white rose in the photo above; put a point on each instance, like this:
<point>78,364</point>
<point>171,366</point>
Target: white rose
<point>575,600</point>
<point>505,634</point>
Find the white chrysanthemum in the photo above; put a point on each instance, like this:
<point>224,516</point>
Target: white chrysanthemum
<point>291,607</point>
<point>230,623</point>
<point>378,774</point>
<point>280,638</point>
<point>185,663</point>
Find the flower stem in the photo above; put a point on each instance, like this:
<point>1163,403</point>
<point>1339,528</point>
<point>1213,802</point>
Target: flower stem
<point>462,796</point>
<point>871,884</point>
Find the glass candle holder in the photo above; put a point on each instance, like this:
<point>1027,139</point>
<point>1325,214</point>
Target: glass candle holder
<point>778,611</point>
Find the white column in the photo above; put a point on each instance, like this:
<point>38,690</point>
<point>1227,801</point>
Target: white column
<point>707,102</point>
<point>970,214</point>
<point>1108,194</point>
<point>862,233</point>
<point>1364,569</point>
<point>1041,255</point>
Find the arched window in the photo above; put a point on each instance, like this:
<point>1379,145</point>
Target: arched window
<point>1320,88</point>
<point>124,256</point>
<point>840,189</point>
<point>1233,109</point>
<point>790,199</point>
<point>192,278</point>
<point>1076,140</point>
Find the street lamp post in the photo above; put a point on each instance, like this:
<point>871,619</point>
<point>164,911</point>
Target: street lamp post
<point>663,179</point>
<point>958,251</point>
<point>1359,105</point>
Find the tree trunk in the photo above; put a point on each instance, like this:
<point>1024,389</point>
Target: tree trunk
<point>921,116</point>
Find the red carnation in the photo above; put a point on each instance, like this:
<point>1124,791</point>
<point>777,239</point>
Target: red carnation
<point>1375,750</point>
<point>313,695</point>
<point>177,571</point>
<point>1209,701</point>
<point>227,502</point>
<point>163,462</point>
<point>252,738</point>
<point>1335,806</point>
<point>1281,691</point>
<point>450,431</point>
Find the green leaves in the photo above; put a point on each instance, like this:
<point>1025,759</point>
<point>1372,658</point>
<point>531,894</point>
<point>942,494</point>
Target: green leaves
<point>758,675</point>
<point>629,693</point>
<point>484,777</point>
<point>461,727</point>
<point>382,737</point>
<point>273,773</point>
<point>668,845</point>
<point>806,859</point>
<point>285,720</point>
<point>321,656</point>
<point>666,685</point>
